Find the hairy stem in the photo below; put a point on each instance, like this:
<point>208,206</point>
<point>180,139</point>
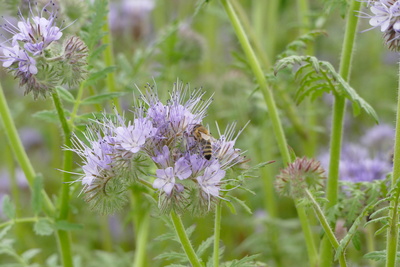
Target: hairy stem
<point>393,230</point>
<point>185,242</point>
<point>217,233</point>
<point>64,236</point>
<point>339,109</point>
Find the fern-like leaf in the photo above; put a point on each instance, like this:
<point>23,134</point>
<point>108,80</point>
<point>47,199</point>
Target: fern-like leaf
<point>317,77</point>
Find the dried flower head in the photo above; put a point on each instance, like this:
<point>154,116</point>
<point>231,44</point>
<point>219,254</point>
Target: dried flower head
<point>299,175</point>
<point>386,15</point>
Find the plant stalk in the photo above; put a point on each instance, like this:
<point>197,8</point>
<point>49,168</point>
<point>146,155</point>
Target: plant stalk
<point>339,109</point>
<point>217,234</point>
<point>185,242</point>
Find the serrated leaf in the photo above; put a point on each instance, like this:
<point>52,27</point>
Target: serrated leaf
<point>357,240</point>
<point>241,203</point>
<point>381,230</point>
<point>65,94</point>
<point>29,254</point>
<point>376,255</point>
<point>173,256</point>
<point>37,194</point>
<point>204,246</point>
<point>4,231</point>
<point>95,76</point>
<point>97,99</point>
<point>49,115</point>
<point>67,226</point>
<point>43,227</point>
<point>316,76</point>
<point>8,207</point>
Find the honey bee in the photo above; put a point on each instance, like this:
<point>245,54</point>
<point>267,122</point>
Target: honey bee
<point>203,137</point>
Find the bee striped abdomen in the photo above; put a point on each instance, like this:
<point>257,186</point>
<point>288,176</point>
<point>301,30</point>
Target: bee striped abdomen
<point>207,149</point>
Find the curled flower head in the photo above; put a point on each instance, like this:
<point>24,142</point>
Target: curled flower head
<point>161,133</point>
<point>386,16</point>
<point>298,176</point>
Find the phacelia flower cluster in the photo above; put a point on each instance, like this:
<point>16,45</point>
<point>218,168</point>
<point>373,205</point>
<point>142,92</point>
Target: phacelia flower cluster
<point>118,152</point>
<point>368,160</point>
<point>298,176</point>
<point>386,16</point>
<point>30,51</point>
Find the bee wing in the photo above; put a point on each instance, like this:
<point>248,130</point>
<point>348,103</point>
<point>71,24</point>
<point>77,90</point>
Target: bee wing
<point>205,136</point>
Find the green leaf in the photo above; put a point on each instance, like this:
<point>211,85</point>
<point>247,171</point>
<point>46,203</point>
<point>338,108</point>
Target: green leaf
<point>43,227</point>
<point>96,99</point>
<point>241,203</point>
<point>376,255</point>
<point>29,254</point>
<point>317,77</point>
<point>204,246</point>
<point>95,76</point>
<point>37,194</point>
<point>8,207</point>
<point>50,115</point>
<point>4,231</point>
<point>67,226</point>
<point>65,94</point>
<point>357,240</point>
<point>230,206</point>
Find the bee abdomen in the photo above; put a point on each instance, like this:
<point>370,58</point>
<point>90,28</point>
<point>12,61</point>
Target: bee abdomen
<point>207,150</point>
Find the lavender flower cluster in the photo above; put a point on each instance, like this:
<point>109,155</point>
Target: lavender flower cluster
<point>386,15</point>
<point>117,152</point>
<point>27,53</point>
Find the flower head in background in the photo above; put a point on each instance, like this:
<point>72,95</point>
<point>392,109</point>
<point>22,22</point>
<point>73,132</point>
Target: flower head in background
<point>35,56</point>
<point>368,160</point>
<point>117,152</point>
<point>386,16</point>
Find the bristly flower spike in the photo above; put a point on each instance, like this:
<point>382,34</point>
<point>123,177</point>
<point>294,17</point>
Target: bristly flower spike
<point>298,176</point>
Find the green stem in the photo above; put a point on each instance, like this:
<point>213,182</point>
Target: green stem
<point>370,238</point>
<point>272,21</point>
<point>339,109</point>
<point>393,230</point>
<point>109,61</point>
<point>105,233</point>
<point>77,103</point>
<point>308,236</point>
<point>258,73</point>
<point>217,233</point>
<point>19,151</point>
<point>268,97</point>
<point>64,239</point>
<point>20,220</point>
<point>185,242</point>
<point>142,229</point>
<point>325,225</point>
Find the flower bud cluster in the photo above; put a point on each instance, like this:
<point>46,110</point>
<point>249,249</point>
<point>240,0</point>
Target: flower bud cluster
<point>298,176</point>
<point>30,52</point>
<point>117,152</point>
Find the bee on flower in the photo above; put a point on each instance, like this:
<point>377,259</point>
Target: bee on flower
<point>119,152</point>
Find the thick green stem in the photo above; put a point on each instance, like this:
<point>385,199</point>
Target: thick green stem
<point>141,240</point>
<point>217,233</point>
<point>268,96</point>
<point>109,61</point>
<point>325,225</point>
<point>19,151</point>
<point>259,75</point>
<point>339,109</point>
<point>185,242</point>
<point>393,230</point>
<point>64,236</point>
<point>308,236</point>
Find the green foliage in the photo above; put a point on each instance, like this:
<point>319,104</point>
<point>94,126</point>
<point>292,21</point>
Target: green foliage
<point>37,194</point>
<point>8,207</point>
<point>317,77</point>
<point>43,227</point>
<point>301,43</point>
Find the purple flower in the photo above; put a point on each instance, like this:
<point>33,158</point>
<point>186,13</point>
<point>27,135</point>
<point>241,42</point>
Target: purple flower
<point>133,137</point>
<point>386,15</point>
<point>36,32</point>
<point>15,54</point>
<point>210,181</point>
<point>166,177</point>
